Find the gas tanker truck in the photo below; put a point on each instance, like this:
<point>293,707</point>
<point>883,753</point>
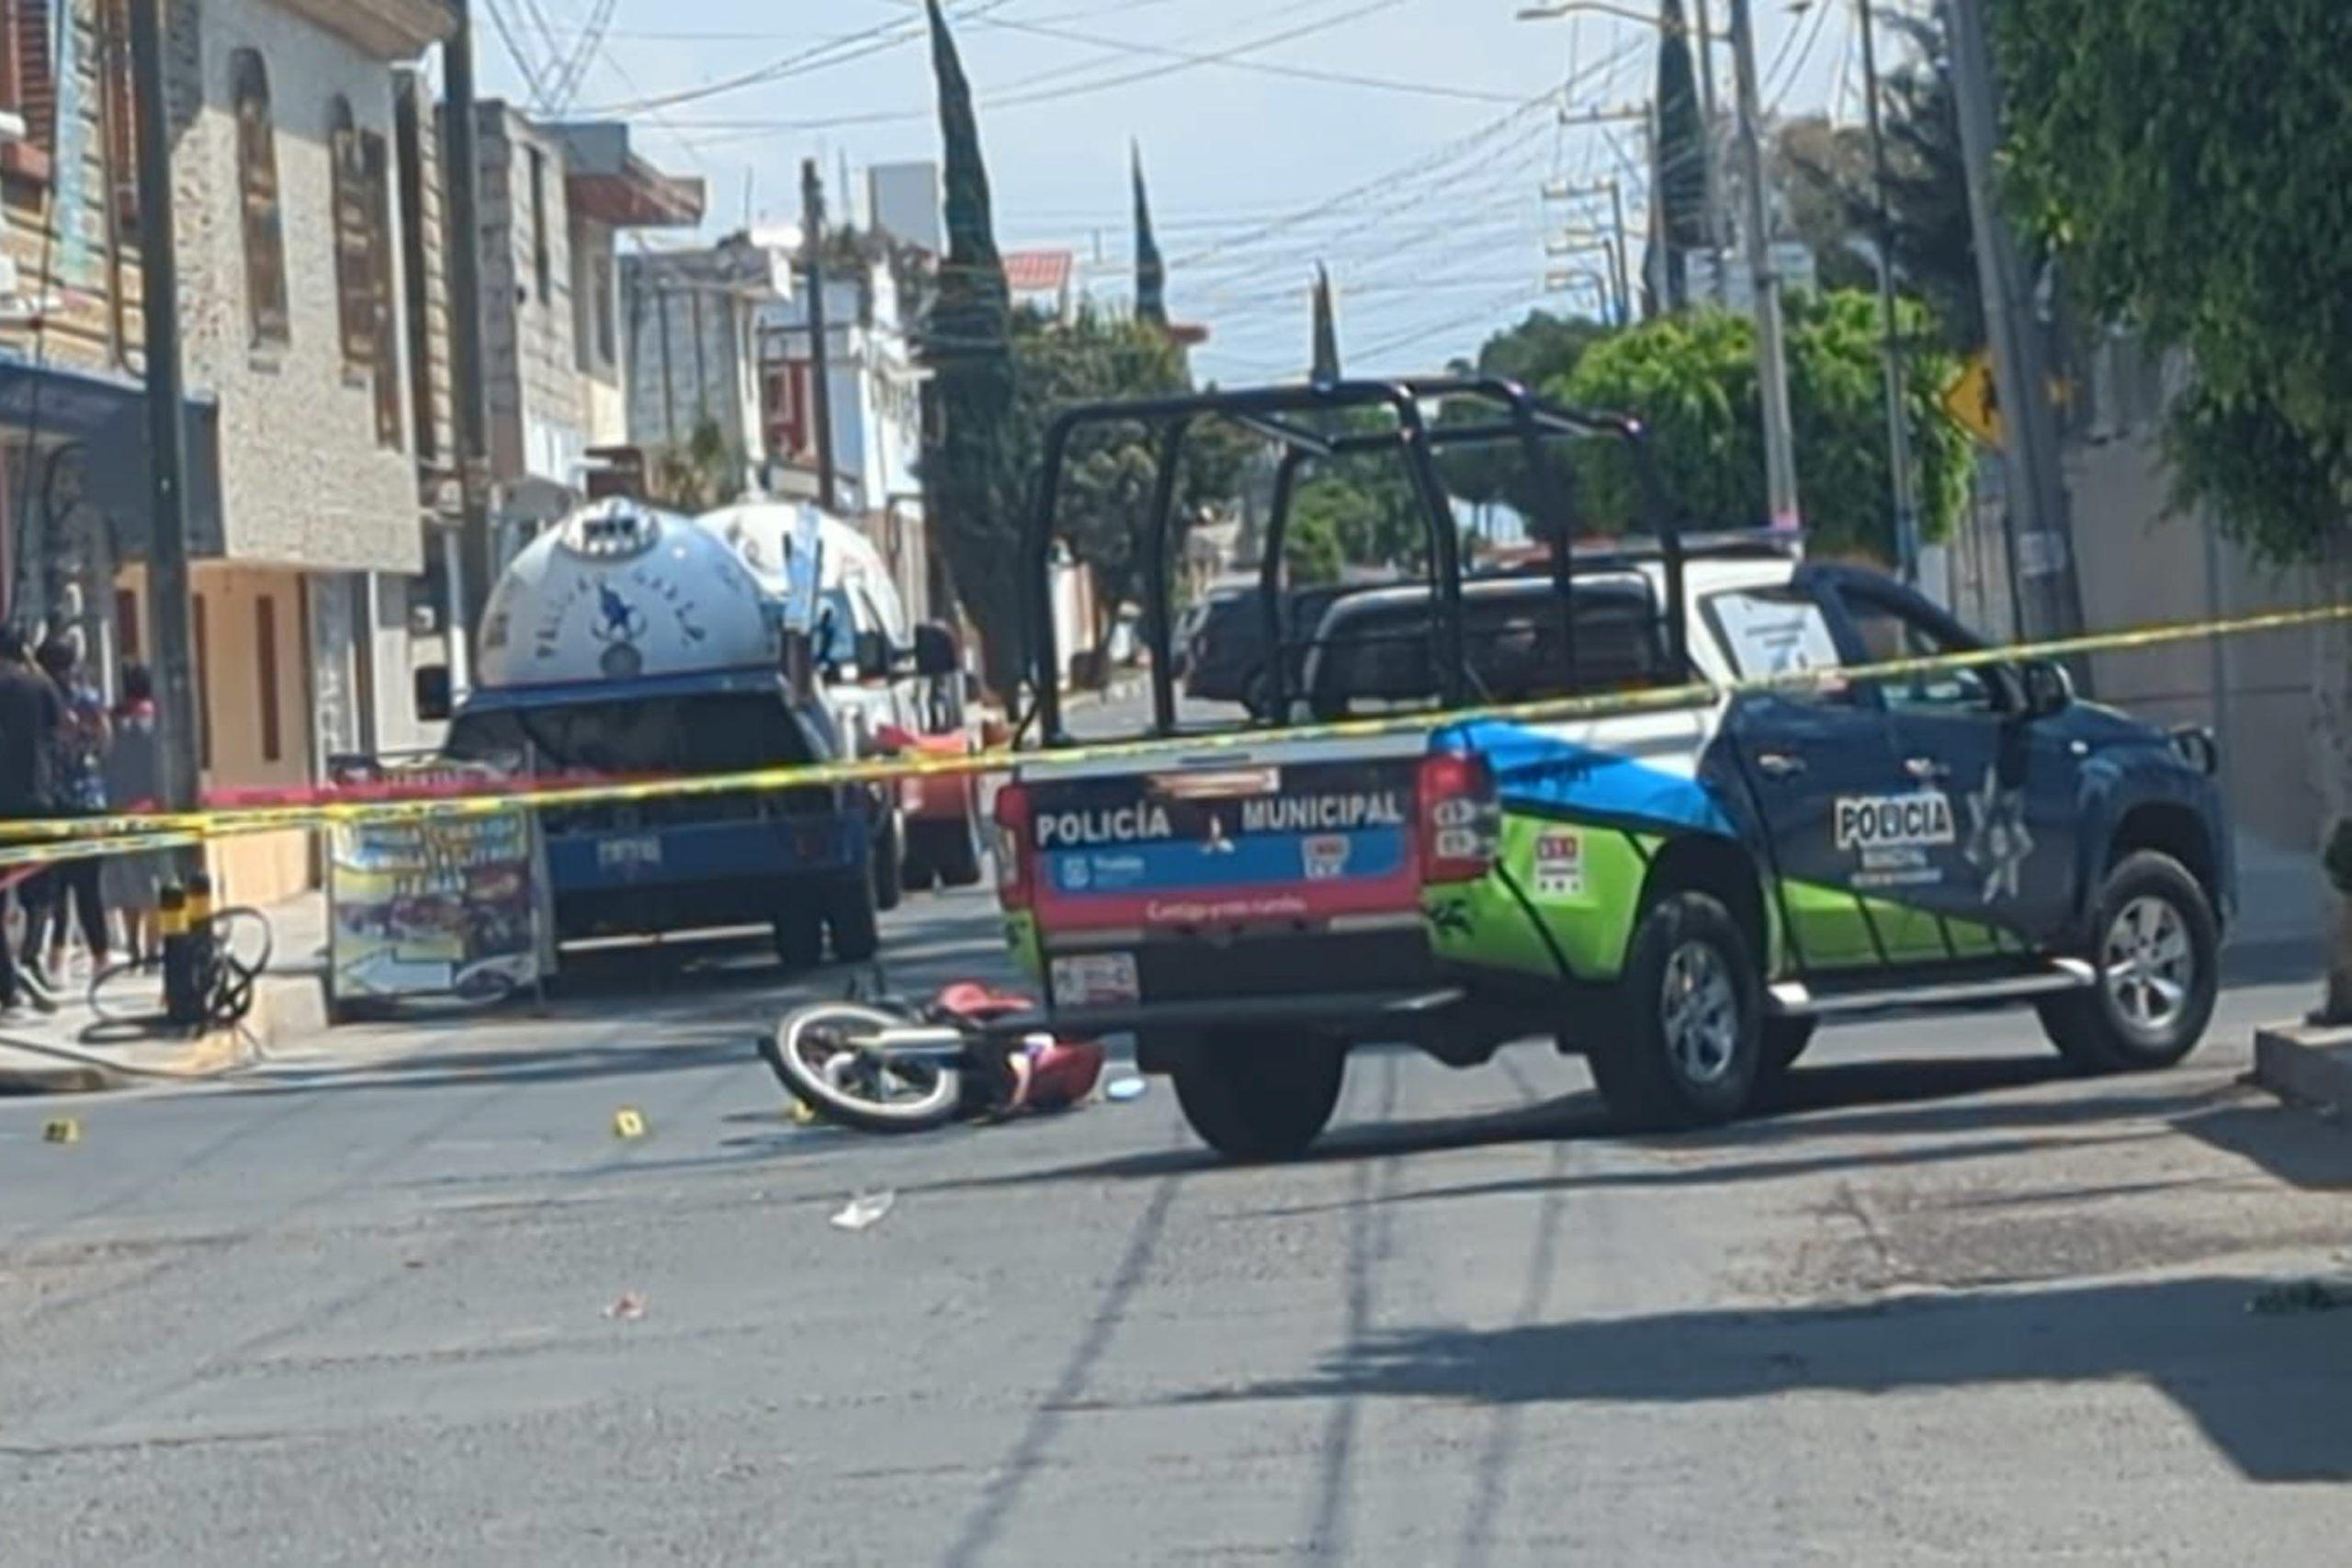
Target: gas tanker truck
<point>630,644</point>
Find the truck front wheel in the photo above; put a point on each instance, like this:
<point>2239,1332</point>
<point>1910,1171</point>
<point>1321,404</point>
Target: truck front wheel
<point>1261,1095</point>
<point>1689,1042</point>
<point>2158,957</point>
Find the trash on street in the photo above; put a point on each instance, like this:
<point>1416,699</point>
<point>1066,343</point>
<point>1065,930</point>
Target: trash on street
<point>865,1210</point>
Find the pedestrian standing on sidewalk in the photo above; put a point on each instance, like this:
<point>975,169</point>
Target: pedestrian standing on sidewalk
<point>31,713</point>
<point>77,786</point>
<point>133,883</point>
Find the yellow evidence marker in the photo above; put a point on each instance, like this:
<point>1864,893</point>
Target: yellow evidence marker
<point>64,1129</point>
<point>627,1123</point>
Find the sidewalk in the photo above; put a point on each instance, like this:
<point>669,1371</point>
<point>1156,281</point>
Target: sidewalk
<point>51,1056</point>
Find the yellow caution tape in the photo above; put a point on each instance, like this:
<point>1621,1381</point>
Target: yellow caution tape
<point>76,836</point>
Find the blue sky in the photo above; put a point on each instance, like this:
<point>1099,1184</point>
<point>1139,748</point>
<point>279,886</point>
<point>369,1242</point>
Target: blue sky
<point>1426,203</point>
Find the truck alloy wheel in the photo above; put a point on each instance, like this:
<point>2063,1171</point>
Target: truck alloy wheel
<point>2158,954</point>
<point>1687,1047</point>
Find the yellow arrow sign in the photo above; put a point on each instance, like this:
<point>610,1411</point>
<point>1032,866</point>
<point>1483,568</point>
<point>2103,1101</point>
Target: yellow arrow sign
<point>1972,401</point>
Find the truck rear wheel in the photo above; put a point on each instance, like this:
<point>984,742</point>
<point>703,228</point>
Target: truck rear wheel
<point>800,939</point>
<point>1261,1095</point>
<point>890,856</point>
<point>850,915</point>
<point>956,854</point>
<point>916,870</point>
<point>1687,1047</point>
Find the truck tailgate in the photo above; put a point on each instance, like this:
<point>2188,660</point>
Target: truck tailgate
<point>1246,877</point>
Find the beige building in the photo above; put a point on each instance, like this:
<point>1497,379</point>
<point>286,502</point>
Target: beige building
<point>307,522</point>
<point>554,201</point>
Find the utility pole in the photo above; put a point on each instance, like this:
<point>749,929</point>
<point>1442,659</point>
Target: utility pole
<point>463,177</point>
<point>1898,412</point>
<point>168,579</point>
<point>2041,538</point>
<point>1771,354</point>
<point>1706,39</point>
<point>821,381</point>
<point>1617,257</point>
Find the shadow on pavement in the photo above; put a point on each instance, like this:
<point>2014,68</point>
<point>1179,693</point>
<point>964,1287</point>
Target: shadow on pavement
<point>2291,1144</point>
<point>2268,1391</point>
<point>1926,1095</point>
<point>706,1047</point>
<point>1726,1172</point>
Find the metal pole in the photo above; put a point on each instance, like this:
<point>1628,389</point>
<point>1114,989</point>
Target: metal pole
<point>1617,257</point>
<point>463,177</point>
<point>1705,38</point>
<point>169,579</point>
<point>1898,413</point>
<point>2021,366</point>
<point>820,380</point>
<point>1771,354</point>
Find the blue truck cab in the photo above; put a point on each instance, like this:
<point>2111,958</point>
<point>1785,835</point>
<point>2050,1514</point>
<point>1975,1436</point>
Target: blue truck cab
<point>627,645</point>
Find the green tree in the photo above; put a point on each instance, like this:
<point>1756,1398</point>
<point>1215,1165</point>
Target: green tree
<point>1151,272</point>
<point>966,341</point>
<point>2190,168</point>
<point>1540,353</point>
<point>1102,509</point>
<point>699,474</point>
<point>1691,378</point>
<point>1326,328</point>
<point>1832,187</point>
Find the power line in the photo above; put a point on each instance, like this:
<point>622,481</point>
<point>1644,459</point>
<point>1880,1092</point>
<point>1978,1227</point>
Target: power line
<point>1301,73</point>
<point>1448,153</point>
<point>1010,98</point>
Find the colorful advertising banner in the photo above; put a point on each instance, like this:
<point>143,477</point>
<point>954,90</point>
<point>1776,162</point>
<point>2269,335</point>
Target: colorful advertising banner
<point>437,909</point>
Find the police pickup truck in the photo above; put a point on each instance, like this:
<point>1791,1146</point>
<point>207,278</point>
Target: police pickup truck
<point>1679,888</point>
<point>1680,894</point>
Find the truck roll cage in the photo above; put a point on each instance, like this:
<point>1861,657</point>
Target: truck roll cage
<point>1295,417</point>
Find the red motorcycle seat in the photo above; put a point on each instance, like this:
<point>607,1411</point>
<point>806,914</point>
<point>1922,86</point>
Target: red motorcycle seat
<point>970,1000</point>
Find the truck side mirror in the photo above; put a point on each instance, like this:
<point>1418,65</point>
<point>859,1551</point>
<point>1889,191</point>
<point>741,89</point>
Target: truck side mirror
<point>873,656</point>
<point>935,651</point>
<point>430,687</point>
<point>2048,688</point>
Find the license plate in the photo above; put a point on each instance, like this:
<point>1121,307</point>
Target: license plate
<point>1096,978</point>
<point>621,853</point>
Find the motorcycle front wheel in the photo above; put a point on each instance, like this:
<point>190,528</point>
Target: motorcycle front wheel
<point>822,1053</point>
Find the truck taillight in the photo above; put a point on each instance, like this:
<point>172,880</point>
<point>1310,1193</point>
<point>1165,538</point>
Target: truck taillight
<point>1013,890</point>
<point>1461,818</point>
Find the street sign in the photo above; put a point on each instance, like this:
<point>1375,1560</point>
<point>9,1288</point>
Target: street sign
<point>1973,403</point>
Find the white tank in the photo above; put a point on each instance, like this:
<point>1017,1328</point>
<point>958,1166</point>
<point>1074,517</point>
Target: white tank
<point>620,589</point>
<point>763,532</point>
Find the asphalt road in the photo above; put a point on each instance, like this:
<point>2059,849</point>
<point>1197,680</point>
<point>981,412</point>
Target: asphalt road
<point>1940,1305</point>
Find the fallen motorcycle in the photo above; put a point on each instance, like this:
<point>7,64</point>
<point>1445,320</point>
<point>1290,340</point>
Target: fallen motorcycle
<point>889,1065</point>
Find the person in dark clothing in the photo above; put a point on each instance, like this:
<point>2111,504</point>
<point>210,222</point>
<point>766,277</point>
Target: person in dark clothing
<point>77,788</point>
<point>32,711</point>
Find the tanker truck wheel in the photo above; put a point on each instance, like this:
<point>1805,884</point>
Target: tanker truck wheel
<point>851,916</point>
<point>799,938</point>
<point>958,855</point>
<point>890,856</point>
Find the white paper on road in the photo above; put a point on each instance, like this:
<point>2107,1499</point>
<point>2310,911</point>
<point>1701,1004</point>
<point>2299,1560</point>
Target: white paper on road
<point>865,1210</point>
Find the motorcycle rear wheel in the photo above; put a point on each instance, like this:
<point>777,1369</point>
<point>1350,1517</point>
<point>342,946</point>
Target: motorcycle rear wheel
<point>817,1053</point>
